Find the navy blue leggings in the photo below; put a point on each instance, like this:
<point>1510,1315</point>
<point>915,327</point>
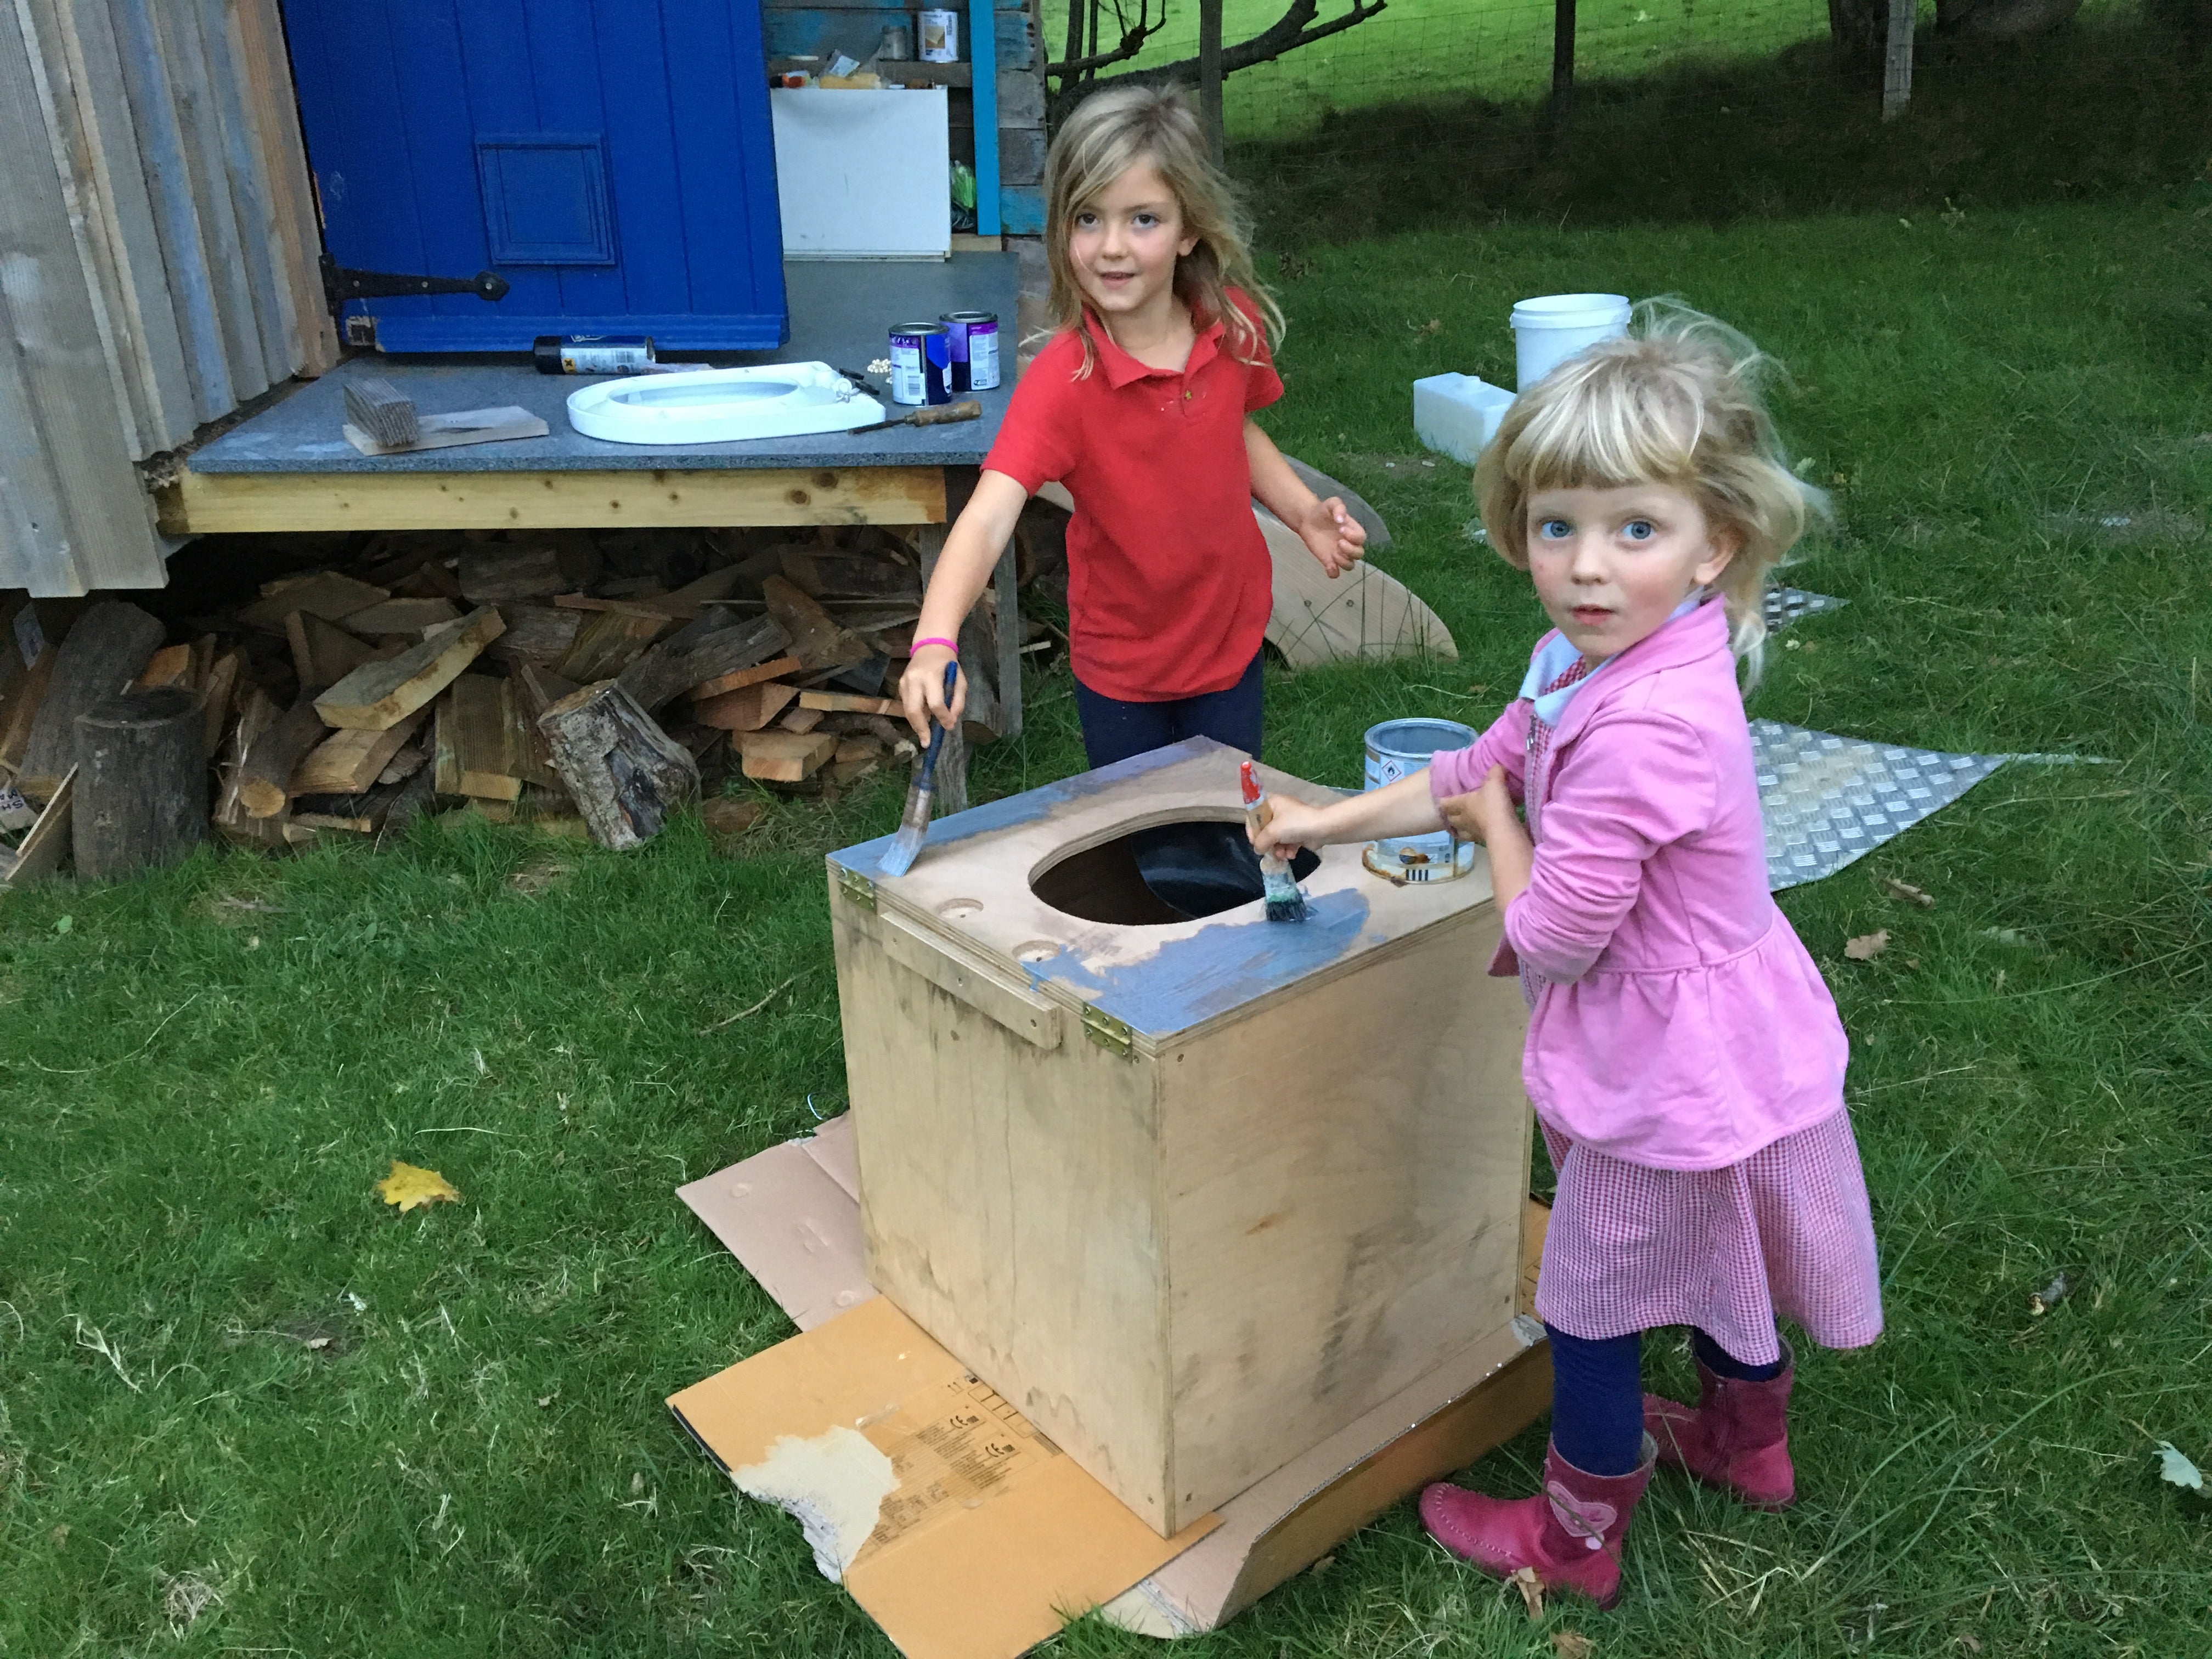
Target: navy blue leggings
<point>1597,1395</point>
<point>1114,730</point>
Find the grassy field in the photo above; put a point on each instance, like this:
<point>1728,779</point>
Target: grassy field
<point>245,1408</point>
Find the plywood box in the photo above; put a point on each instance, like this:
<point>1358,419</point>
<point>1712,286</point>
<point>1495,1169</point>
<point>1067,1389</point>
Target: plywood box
<point>1192,1194</point>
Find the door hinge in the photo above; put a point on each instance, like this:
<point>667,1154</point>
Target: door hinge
<point>856,888</point>
<point>1108,1032</point>
<point>342,282</point>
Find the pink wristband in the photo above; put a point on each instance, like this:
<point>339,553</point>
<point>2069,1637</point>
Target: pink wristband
<point>948,644</point>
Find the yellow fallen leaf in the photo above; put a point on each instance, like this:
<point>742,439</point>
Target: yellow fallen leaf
<point>409,1187</point>
<point>1532,1590</point>
<point>1572,1645</point>
<point>1867,946</point>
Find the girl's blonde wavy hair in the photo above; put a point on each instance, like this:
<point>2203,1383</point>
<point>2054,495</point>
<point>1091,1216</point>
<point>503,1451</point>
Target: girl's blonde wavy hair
<point>1107,134</point>
<point>1678,403</point>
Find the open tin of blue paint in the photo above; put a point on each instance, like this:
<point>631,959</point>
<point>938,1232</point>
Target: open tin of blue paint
<point>1397,749</point>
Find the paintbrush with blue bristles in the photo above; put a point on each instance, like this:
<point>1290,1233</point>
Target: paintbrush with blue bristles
<point>1285,901</point>
<point>898,857</point>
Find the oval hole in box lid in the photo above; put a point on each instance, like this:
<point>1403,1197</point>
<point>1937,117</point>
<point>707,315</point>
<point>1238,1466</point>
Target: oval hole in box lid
<point>1161,875</point>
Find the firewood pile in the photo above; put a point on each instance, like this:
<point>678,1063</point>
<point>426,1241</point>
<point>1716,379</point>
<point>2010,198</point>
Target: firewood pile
<point>604,678</point>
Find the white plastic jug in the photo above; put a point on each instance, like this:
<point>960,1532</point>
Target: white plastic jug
<point>1549,329</point>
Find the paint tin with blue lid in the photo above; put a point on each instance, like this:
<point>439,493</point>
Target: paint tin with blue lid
<point>1397,749</point>
<point>921,363</point>
<point>974,338</point>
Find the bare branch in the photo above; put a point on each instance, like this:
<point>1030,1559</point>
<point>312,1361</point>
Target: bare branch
<point>1295,27</point>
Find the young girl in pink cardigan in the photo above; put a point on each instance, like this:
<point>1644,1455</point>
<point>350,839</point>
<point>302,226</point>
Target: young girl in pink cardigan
<point>1684,1057</point>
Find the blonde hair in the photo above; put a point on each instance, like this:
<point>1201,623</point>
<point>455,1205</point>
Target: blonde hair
<point>1678,403</point>
<point>1111,131</point>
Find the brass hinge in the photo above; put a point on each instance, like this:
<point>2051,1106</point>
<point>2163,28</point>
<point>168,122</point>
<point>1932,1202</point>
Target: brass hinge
<point>1108,1032</point>
<point>857,888</point>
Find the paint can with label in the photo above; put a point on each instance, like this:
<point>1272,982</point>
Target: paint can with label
<point>940,36</point>
<point>975,336</point>
<point>921,363</point>
<point>1397,749</point>
<point>591,354</point>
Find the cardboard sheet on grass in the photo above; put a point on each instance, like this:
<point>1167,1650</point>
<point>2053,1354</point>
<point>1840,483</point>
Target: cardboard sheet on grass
<point>986,1538</point>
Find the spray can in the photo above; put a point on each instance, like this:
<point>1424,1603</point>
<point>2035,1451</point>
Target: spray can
<point>921,362</point>
<point>974,338</point>
<point>591,354</point>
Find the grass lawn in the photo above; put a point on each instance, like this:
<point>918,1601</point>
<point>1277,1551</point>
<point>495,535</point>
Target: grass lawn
<point>235,1384</point>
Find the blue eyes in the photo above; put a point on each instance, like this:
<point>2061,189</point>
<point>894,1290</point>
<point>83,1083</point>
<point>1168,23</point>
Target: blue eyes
<point>1639,530</point>
<point>1558,529</point>
<point>1555,530</point>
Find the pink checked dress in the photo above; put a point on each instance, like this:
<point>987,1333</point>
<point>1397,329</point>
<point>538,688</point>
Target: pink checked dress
<point>1684,1056</point>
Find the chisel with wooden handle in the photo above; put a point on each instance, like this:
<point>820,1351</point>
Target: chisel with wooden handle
<point>932,414</point>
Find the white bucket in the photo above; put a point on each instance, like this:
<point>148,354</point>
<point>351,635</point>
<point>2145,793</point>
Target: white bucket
<point>1548,331</point>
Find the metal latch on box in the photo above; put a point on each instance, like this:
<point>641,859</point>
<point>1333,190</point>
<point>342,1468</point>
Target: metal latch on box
<point>1108,1032</point>
<point>856,888</point>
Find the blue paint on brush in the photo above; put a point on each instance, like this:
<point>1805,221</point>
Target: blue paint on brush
<point>1224,965</point>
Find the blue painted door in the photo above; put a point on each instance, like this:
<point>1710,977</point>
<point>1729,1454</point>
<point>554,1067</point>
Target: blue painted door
<point>610,159</point>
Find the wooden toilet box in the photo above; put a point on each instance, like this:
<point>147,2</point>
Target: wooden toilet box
<point>1192,1194</point>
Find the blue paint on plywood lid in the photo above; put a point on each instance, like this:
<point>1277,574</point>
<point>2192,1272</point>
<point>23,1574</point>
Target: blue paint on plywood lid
<point>1222,966</point>
<point>1025,808</point>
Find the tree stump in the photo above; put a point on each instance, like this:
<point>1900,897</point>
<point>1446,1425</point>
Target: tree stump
<point>142,787</point>
<point>626,774</point>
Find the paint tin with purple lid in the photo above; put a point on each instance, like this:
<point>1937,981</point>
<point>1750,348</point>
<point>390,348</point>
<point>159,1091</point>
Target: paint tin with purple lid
<point>921,363</point>
<point>975,336</point>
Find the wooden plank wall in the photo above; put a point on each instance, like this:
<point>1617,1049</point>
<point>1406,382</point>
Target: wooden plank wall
<point>158,262</point>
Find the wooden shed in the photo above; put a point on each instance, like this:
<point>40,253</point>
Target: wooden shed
<point>157,272</point>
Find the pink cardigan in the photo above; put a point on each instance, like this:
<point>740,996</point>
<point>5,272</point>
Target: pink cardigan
<point>1681,1024</point>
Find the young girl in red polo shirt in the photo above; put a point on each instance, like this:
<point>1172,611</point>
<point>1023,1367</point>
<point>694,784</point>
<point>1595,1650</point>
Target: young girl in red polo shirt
<point>1141,406</point>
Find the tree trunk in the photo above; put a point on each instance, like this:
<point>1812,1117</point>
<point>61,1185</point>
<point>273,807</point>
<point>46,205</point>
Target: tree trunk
<point>626,774</point>
<point>1209,75</point>
<point>142,789</point>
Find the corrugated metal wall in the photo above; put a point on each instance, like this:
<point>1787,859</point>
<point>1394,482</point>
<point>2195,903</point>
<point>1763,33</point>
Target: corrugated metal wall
<point>158,262</point>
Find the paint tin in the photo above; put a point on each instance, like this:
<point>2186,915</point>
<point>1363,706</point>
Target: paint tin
<point>975,336</point>
<point>940,36</point>
<point>921,363</point>
<point>1397,749</point>
<point>591,354</point>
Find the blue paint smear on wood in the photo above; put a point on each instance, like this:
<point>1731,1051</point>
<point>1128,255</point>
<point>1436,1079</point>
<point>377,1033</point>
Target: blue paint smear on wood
<point>1221,967</point>
<point>1025,808</point>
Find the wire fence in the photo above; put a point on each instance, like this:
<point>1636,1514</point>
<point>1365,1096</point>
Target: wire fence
<point>1448,96</point>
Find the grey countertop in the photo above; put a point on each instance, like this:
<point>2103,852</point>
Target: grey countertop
<point>840,314</point>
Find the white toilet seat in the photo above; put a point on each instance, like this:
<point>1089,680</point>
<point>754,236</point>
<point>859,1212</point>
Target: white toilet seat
<point>717,405</point>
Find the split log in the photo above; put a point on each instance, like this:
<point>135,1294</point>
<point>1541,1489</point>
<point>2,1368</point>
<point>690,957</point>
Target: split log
<point>325,593</point>
<point>473,725</point>
<point>818,641</point>
<point>536,633</point>
<point>626,774</point>
<point>850,702</point>
<point>500,575</point>
<point>379,694</point>
<point>216,698</point>
<point>40,853</point>
<point>748,709</point>
<point>232,820</point>
<point>104,652</point>
<point>142,795</point>
<point>608,642</point>
<point>170,665</point>
<point>849,576</point>
<point>410,616</point>
<point>323,654</point>
<point>699,653</point>
<point>265,779</point>
<point>775,669</point>
<point>350,762</point>
<point>534,690</point>
<point>429,581</point>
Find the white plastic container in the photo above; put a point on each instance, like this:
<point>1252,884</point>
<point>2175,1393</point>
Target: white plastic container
<point>1549,329</point>
<point>718,405</point>
<point>1456,415</point>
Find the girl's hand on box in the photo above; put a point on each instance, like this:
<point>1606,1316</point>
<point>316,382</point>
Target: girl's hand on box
<point>921,689</point>
<point>1333,537</point>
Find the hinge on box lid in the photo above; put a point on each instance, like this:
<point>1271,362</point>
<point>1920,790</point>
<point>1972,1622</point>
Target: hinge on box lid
<point>1107,1031</point>
<point>856,888</point>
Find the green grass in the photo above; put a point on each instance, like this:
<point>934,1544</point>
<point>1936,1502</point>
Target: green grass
<point>201,1074</point>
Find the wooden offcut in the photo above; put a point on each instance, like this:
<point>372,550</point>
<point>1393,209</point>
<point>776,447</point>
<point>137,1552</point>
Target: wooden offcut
<point>379,695</point>
<point>473,725</point>
<point>328,594</point>
<point>775,669</point>
<point>44,848</point>
<point>382,411</point>
<point>817,638</point>
<point>412,617</point>
<point>203,503</point>
<point>323,654</point>
<point>232,820</point>
<point>785,756</point>
<point>608,643</point>
<point>348,762</point>
<point>625,773</point>
<point>142,793</point>
<point>167,666</point>
<point>1362,615</point>
<point>265,779</point>
<point>745,709</point>
<point>536,633</point>
<point>216,695</point>
<point>850,702</point>
<point>504,575</point>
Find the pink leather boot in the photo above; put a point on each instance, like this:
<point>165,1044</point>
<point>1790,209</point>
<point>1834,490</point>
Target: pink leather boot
<point>1736,1437</point>
<point>1570,1533</point>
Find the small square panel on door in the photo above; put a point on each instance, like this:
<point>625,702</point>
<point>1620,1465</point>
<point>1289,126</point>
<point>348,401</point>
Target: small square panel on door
<point>545,199</point>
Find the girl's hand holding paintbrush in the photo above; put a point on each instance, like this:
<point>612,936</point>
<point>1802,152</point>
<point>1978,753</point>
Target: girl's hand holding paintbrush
<point>1406,808</point>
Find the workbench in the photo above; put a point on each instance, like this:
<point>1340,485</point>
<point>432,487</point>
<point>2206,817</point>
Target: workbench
<point>289,468</point>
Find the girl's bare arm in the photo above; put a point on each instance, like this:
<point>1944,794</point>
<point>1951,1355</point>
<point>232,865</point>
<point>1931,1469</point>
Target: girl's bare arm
<point>971,553</point>
<point>1333,535</point>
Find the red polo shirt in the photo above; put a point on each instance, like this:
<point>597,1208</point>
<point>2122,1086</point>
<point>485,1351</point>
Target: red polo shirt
<point>1169,581</point>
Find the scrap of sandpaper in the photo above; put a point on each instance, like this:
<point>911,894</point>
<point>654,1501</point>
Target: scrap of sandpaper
<point>1829,800</point>
<point>1785,606</point>
<point>959,1528</point>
